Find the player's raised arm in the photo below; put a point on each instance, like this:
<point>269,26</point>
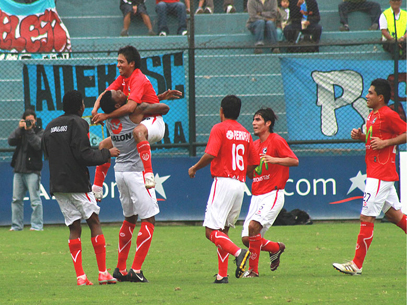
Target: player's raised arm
<point>169,95</point>
<point>126,109</point>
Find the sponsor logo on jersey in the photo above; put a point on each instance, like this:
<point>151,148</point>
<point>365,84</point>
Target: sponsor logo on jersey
<point>122,137</point>
<point>238,135</point>
<point>59,129</point>
<point>116,126</point>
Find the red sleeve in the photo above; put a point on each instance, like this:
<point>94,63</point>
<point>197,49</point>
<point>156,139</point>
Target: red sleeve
<point>116,85</point>
<point>397,124</point>
<point>283,150</point>
<point>214,142</point>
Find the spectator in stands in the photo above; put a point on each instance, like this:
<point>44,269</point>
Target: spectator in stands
<point>312,25</point>
<point>131,8</point>
<point>394,30</point>
<point>282,18</point>
<point>262,18</point>
<point>174,7</point>
<point>187,6</point>
<point>228,7</point>
<point>348,6</point>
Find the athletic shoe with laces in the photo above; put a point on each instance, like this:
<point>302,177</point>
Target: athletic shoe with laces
<point>348,268</point>
<point>250,273</point>
<point>132,276</point>
<point>106,278</point>
<point>82,280</point>
<point>241,262</point>
<point>149,181</point>
<point>275,257</point>
<point>223,280</point>
<point>121,276</point>
<point>98,192</point>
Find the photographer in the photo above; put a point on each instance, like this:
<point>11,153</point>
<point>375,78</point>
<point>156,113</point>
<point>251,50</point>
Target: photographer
<point>27,164</point>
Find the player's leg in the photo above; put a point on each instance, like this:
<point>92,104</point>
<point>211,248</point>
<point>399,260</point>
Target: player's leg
<point>101,171</point>
<point>125,236</point>
<point>392,210</point>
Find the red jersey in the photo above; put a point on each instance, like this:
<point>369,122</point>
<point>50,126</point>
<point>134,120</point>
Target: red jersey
<point>137,88</point>
<point>384,124</point>
<point>232,146</point>
<point>267,176</point>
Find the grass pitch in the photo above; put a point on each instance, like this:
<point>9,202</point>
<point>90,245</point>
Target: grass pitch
<point>36,268</point>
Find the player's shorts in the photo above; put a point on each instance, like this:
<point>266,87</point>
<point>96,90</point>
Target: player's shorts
<point>264,209</point>
<point>379,196</point>
<point>134,197</point>
<point>224,203</point>
<point>156,128</point>
<point>75,206</point>
<point>128,8</point>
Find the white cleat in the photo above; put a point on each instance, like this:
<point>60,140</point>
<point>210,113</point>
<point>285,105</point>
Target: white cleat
<point>98,192</point>
<point>348,268</point>
<point>149,181</point>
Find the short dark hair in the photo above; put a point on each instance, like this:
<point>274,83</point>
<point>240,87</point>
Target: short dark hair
<point>231,105</point>
<point>268,115</point>
<point>107,103</point>
<point>28,112</point>
<point>131,54</point>
<point>72,102</point>
<point>382,87</point>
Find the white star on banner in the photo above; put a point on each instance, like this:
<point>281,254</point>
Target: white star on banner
<point>159,184</point>
<point>358,182</point>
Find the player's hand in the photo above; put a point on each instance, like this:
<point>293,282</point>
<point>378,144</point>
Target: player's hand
<point>99,118</point>
<point>94,112</point>
<point>356,133</point>
<point>268,159</point>
<point>98,192</point>
<point>192,172</point>
<point>170,94</point>
<point>114,152</point>
<point>377,143</point>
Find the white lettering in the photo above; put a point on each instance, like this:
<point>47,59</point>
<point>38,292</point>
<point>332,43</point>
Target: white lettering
<point>298,187</point>
<point>324,182</point>
<point>59,129</point>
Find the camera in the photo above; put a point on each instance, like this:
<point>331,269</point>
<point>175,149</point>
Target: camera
<point>28,123</point>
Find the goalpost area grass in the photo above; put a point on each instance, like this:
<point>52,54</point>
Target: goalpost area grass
<point>36,268</point>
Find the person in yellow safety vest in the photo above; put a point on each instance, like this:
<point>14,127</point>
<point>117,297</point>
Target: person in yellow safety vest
<point>389,27</point>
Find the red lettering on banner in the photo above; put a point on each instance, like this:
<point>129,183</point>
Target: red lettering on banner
<point>37,33</point>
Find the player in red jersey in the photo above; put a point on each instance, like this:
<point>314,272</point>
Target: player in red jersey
<point>231,154</point>
<point>269,180</point>
<point>385,130</point>
<point>137,87</point>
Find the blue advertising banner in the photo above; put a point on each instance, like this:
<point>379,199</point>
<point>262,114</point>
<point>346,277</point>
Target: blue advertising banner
<point>327,188</point>
<point>45,86</point>
<point>329,98</point>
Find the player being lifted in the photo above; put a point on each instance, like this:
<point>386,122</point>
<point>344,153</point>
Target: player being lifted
<point>268,186</point>
<point>231,154</point>
<point>138,89</point>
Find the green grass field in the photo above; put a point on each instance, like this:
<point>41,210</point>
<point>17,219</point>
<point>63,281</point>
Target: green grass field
<point>36,268</point>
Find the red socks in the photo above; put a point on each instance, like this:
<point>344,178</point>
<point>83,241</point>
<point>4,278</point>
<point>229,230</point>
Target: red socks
<point>100,174</point>
<point>223,259</point>
<point>125,236</point>
<point>365,238</point>
<point>144,150</point>
<point>403,223</point>
<point>254,248</point>
<point>75,247</point>
<point>143,244</point>
<point>269,246</point>
<point>221,240</point>
<point>99,245</point>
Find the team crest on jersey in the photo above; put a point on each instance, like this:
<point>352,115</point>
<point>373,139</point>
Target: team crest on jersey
<point>264,150</point>
<point>145,157</point>
<point>116,126</point>
<point>229,134</point>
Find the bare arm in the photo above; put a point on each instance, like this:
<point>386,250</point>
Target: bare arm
<point>356,134</point>
<point>96,106</point>
<point>169,94</point>
<point>126,109</point>
<point>288,161</point>
<point>204,161</point>
<point>378,143</point>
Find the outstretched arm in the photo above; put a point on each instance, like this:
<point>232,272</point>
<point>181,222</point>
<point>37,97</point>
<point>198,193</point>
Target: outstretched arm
<point>378,143</point>
<point>126,109</point>
<point>169,94</point>
<point>204,161</point>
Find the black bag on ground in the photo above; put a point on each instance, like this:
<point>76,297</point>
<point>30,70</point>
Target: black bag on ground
<point>295,217</point>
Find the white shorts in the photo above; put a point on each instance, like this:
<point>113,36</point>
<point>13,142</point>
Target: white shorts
<point>379,196</point>
<point>134,197</point>
<point>264,209</point>
<point>224,203</point>
<point>76,206</point>
<point>155,127</point>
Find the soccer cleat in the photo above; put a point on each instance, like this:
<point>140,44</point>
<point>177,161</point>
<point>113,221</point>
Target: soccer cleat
<point>106,278</point>
<point>149,181</point>
<point>83,280</point>
<point>348,268</point>
<point>275,257</point>
<point>223,280</point>
<point>121,276</point>
<point>241,262</point>
<point>98,192</point>
<point>250,273</point>
<point>132,276</point>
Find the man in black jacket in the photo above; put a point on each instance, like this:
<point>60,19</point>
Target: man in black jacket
<point>27,164</point>
<point>66,144</point>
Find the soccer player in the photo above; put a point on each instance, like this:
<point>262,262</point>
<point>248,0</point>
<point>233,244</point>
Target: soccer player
<point>66,144</point>
<point>231,154</point>
<point>385,130</point>
<point>136,200</point>
<point>269,179</point>
<point>134,84</point>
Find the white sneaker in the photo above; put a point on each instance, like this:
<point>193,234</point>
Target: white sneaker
<point>184,33</point>
<point>149,181</point>
<point>199,10</point>
<point>230,9</point>
<point>162,34</point>
<point>98,192</point>
<point>348,268</point>
<point>208,10</point>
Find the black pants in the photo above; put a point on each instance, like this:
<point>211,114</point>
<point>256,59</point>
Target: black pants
<point>291,31</point>
<point>372,8</point>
